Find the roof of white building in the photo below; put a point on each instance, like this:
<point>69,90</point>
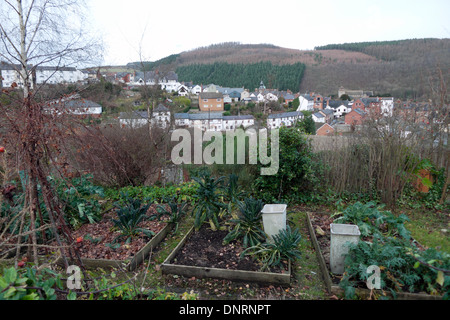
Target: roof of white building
<point>210,116</point>
<point>286,115</point>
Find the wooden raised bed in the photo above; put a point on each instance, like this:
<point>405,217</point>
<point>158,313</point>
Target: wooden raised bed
<point>221,273</point>
<point>128,264</point>
<point>361,292</point>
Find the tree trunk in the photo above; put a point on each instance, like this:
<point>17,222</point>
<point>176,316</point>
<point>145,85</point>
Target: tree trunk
<point>23,53</point>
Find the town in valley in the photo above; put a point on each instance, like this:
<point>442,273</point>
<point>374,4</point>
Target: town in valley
<point>211,107</point>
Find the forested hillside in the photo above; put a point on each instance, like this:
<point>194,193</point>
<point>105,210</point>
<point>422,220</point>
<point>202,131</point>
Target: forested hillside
<point>249,76</point>
<point>414,49</point>
<point>403,68</point>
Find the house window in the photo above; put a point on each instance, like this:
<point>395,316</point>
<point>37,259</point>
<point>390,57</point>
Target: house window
<point>219,100</point>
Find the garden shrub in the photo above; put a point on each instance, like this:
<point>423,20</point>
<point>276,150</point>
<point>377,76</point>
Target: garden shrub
<point>299,170</point>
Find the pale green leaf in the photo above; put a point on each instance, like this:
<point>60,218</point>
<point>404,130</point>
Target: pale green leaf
<point>440,278</point>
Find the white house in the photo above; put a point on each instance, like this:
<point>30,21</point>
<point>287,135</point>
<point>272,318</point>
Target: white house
<point>260,97</point>
<point>134,119</point>
<point>197,89</point>
<point>9,75</point>
<point>340,107</point>
<point>235,122</point>
<point>183,90</point>
<point>288,119</point>
<point>341,110</point>
<point>181,120</point>
<point>74,105</point>
<point>210,88</point>
<point>137,119</point>
<point>212,121</point>
<point>161,116</point>
<point>168,81</point>
<point>270,96</point>
<point>245,95</point>
<point>387,106</point>
<point>57,75</point>
<point>318,117</point>
<point>40,75</point>
<point>306,103</point>
<point>206,121</point>
<point>227,98</point>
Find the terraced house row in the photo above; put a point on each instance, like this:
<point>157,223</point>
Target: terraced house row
<point>212,121</point>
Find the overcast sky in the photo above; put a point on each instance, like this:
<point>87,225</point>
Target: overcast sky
<point>155,29</point>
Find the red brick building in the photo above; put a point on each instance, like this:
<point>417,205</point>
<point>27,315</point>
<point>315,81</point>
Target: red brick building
<point>210,101</point>
<point>325,130</point>
<point>355,117</point>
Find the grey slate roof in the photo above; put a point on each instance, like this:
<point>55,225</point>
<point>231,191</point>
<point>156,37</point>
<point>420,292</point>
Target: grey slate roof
<point>161,108</point>
<point>210,115</point>
<point>289,96</point>
<point>368,101</point>
<point>226,90</point>
<point>205,116</point>
<point>152,75</point>
<point>210,95</point>
<point>49,68</point>
<point>286,115</point>
<point>134,115</point>
<point>337,103</point>
<point>327,111</point>
<point>181,115</point>
<point>318,115</point>
<point>82,104</point>
<point>243,117</point>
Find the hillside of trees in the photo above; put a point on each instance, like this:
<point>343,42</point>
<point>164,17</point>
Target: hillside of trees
<point>403,68</point>
<point>150,65</point>
<point>411,49</point>
<point>249,76</point>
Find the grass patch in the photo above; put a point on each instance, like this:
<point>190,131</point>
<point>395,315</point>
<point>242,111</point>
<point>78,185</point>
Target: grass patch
<point>308,278</point>
<point>427,228</point>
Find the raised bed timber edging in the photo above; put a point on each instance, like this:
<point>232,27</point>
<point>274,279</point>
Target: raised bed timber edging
<point>137,259</point>
<point>361,292</point>
<point>233,275</point>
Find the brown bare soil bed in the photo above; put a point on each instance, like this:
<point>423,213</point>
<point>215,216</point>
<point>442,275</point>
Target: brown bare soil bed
<point>96,237</point>
<point>205,248</point>
<point>321,226</point>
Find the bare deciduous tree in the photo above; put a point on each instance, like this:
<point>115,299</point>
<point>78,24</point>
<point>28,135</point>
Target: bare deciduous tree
<point>37,32</point>
<point>34,33</point>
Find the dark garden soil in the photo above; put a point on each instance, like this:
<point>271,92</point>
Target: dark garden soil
<point>321,226</point>
<point>204,248</point>
<point>94,241</point>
